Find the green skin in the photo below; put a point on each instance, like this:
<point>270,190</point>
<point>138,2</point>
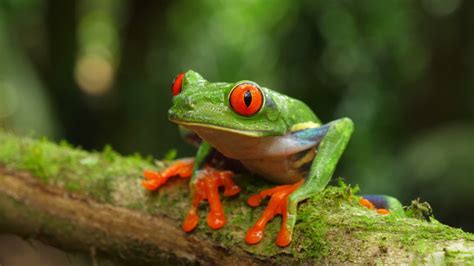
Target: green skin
<point>264,142</point>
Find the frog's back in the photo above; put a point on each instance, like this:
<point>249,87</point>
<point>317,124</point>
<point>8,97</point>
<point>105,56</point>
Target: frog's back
<point>297,114</point>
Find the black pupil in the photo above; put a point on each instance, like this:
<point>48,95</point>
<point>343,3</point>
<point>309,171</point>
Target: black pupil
<point>248,98</point>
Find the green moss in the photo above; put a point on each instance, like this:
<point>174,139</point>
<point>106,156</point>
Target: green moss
<point>76,170</point>
<point>170,155</point>
<point>329,224</point>
<point>457,257</point>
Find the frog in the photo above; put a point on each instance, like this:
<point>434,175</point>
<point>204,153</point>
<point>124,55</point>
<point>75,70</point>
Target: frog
<point>274,136</point>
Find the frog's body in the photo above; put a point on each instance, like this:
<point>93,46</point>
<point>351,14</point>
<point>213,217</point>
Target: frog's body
<point>271,147</point>
<point>271,134</point>
<point>281,159</point>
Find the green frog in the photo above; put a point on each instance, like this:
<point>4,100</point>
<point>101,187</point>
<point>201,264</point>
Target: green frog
<point>272,135</point>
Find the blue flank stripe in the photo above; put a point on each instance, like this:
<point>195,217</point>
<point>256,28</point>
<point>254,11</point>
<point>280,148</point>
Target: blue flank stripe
<point>379,201</point>
<point>311,134</point>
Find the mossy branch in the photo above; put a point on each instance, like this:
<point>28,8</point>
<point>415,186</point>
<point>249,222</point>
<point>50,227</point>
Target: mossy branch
<point>85,201</point>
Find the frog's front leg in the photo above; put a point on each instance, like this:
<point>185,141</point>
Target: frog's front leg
<point>335,137</point>
<point>204,185</point>
<point>182,168</point>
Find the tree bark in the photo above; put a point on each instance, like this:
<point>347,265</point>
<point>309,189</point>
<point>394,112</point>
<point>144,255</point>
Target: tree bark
<point>73,221</point>
<point>93,202</point>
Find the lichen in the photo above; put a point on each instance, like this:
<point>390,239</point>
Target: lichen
<point>419,210</point>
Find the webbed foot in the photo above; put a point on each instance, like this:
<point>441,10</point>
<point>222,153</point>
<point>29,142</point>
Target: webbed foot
<point>278,204</point>
<point>206,187</point>
<point>182,168</point>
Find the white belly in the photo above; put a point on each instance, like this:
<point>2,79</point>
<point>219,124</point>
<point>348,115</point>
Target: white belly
<point>271,157</point>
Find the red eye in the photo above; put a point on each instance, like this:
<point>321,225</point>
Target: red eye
<point>246,99</point>
<point>177,84</point>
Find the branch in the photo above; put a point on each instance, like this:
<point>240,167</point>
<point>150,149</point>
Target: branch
<point>94,202</point>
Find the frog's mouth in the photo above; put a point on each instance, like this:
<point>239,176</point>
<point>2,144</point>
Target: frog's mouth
<point>248,145</point>
<point>196,125</point>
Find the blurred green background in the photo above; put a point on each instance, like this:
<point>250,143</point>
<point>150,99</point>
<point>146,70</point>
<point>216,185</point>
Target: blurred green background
<point>97,72</point>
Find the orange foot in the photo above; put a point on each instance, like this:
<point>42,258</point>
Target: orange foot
<point>369,205</point>
<point>182,168</point>
<point>278,205</point>
<point>206,187</point>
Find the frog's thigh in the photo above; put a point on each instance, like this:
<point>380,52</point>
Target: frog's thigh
<point>329,151</point>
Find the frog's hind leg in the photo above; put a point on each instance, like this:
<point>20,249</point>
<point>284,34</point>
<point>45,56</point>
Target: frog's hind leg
<point>329,151</point>
<point>205,183</point>
<point>182,168</point>
<point>382,204</point>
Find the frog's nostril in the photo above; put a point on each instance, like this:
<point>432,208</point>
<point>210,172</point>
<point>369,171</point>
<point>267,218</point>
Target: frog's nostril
<point>171,114</point>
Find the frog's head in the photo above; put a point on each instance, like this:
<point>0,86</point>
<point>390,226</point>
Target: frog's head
<point>242,107</point>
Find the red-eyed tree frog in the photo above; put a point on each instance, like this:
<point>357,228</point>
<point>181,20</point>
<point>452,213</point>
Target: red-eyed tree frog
<point>275,136</point>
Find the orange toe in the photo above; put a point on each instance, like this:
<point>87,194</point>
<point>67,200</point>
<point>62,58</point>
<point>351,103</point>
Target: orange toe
<point>216,220</point>
<point>383,211</point>
<point>232,191</point>
<point>151,175</point>
<point>366,203</point>
<point>284,238</point>
<point>150,184</point>
<point>190,222</point>
<point>153,180</point>
<point>254,200</point>
<point>253,236</point>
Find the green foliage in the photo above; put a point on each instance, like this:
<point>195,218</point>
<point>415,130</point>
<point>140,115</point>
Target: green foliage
<point>109,154</point>
<point>171,155</point>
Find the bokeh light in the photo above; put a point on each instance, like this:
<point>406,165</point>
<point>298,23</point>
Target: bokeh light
<point>98,46</point>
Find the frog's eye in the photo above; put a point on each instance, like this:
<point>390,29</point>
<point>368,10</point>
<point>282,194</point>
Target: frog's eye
<point>246,99</point>
<point>177,84</point>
